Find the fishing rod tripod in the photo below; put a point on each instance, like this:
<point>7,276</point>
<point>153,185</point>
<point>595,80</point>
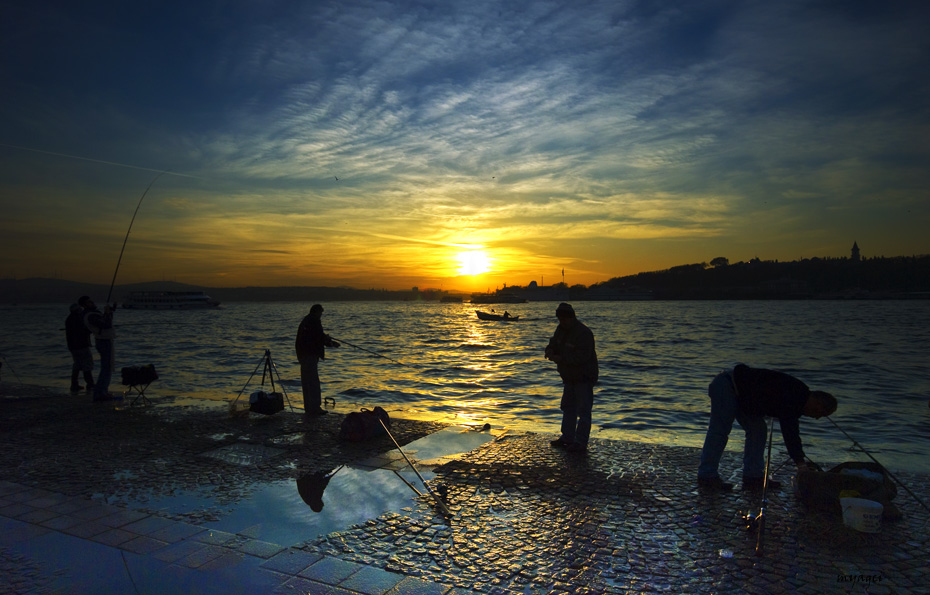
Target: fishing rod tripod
<point>269,370</point>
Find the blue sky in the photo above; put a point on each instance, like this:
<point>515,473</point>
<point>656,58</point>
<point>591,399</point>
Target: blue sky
<point>511,140</point>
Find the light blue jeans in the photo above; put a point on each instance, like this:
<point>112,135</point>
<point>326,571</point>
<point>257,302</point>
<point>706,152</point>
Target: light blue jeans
<point>723,411</point>
<point>577,403</point>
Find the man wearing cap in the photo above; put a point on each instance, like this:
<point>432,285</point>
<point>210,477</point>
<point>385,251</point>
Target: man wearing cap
<point>311,347</point>
<point>748,395</point>
<point>572,349</point>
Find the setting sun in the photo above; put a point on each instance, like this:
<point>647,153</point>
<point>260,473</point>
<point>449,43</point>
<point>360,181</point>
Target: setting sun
<point>474,262</point>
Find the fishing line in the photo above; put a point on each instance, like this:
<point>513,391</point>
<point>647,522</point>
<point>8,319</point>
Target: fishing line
<point>126,239</point>
<point>371,352</point>
<point>885,469</point>
<point>3,357</point>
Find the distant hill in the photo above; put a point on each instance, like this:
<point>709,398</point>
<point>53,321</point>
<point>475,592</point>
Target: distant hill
<point>816,278</point>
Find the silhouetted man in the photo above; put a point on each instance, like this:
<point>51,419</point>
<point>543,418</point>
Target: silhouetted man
<point>748,395</point>
<point>572,349</point>
<point>311,347</point>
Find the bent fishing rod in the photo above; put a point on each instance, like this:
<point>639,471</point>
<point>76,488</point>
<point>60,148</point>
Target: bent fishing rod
<point>126,239</point>
<point>371,352</point>
<point>885,469</point>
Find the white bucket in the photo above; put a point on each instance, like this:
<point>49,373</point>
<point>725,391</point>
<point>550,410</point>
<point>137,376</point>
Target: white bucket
<point>862,515</point>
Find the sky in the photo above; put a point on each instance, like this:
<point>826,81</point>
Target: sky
<point>457,145</point>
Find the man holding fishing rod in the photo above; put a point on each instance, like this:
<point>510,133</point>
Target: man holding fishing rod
<point>101,325</point>
<point>749,395</point>
<point>311,347</point>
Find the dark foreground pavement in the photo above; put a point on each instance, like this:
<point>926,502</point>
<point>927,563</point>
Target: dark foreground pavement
<point>624,518</point>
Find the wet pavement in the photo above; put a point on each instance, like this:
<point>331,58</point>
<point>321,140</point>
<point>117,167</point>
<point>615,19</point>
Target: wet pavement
<point>145,500</point>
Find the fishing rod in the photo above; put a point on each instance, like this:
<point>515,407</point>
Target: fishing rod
<point>3,357</point>
<point>126,239</point>
<point>438,500</point>
<point>765,485</point>
<point>885,469</point>
<point>371,352</point>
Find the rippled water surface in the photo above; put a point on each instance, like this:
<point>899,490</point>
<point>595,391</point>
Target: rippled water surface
<point>656,360</point>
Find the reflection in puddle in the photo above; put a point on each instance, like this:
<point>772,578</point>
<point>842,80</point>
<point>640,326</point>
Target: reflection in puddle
<point>290,512</point>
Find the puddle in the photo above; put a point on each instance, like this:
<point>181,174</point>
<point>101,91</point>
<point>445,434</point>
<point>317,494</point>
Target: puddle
<point>289,512</point>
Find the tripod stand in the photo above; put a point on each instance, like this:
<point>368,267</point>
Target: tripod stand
<point>269,370</point>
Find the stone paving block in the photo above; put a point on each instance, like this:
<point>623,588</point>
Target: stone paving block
<point>70,505</point>
<point>12,531</point>
<point>411,585</point>
<point>122,517</point>
<point>227,560</point>
<point>27,495</point>
<point>148,525</point>
<point>291,561</point>
<point>261,549</point>
<point>37,516</point>
<point>143,545</point>
<point>215,537</point>
<point>15,510</point>
<point>303,586</point>
<point>331,570</point>
<point>86,529</point>
<point>372,581</point>
<point>177,551</point>
<point>201,556</point>
<point>113,537</point>
<point>60,523</point>
<point>95,511</point>
<point>9,487</point>
<point>176,532</point>
<point>52,499</point>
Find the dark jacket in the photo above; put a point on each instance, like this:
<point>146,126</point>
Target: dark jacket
<point>576,346</point>
<point>100,324</point>
<point>773,394</point>
<point>77,335</point>
<point>311,340</point>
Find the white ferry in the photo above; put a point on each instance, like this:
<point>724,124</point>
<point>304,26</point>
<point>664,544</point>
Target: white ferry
<point>169,300</point>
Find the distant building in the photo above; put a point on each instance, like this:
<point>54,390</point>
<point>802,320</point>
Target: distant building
<point>855,253</point>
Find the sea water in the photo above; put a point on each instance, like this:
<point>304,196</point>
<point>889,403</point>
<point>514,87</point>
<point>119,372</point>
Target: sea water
<point>438,361</point>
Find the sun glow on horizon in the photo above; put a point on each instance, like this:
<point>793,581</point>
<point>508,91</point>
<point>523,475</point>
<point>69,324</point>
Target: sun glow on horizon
<point>474,262</point>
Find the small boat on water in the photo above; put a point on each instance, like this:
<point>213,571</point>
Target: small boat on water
<point>169,300</point>
<point>489,316</point>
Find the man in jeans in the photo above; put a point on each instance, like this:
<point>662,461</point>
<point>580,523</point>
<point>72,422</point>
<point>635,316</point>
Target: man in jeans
<point>749,395</point>
<point>572,349</point>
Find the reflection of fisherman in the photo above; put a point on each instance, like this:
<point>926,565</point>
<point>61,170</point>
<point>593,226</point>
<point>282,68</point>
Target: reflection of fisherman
<point>311,487</point>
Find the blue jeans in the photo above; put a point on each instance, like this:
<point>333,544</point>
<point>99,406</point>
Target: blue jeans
<point>577,403</point>
<point>310,383</point>
<point>105,349</point>
<point>723,411</point>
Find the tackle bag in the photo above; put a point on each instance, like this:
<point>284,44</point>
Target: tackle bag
<point>266,403</point>
<point>359,426</point>
<point>823,489</point>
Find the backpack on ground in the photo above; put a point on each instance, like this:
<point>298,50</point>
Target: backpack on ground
<point>359,426</point>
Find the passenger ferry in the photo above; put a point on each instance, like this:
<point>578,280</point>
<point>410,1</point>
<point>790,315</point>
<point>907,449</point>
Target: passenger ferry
<point>169,300</point>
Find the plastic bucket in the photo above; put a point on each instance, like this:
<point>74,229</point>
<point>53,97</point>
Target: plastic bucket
<point>862,515</point>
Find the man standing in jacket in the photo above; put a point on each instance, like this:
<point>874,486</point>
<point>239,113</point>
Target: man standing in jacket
<point>572,349</point>
<point>78,338</point>
<point>311,346</point>
<point>101,325</point>
<point>748,395</point>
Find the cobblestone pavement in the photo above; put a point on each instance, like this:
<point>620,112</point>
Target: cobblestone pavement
<point>527,518</point>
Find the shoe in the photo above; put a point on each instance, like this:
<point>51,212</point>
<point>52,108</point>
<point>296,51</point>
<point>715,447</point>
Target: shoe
<point>76,388</point>
<point>714,484</point>
<point>559,443</point>
<point>756,483</point>
<point>317,411</point>
<point>108,397</point>
<point>575,447</point>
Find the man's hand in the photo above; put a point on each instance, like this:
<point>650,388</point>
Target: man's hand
<point>335,343</point>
